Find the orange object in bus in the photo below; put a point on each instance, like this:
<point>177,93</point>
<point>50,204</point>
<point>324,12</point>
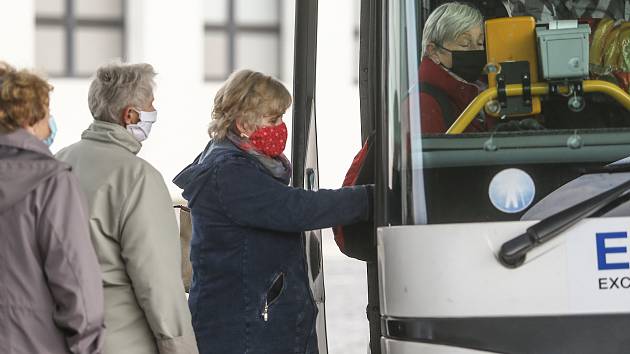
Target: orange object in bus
<point>621,70</point>
<point>510,40</point>
<point>598,43</point>
<point>623,62</point>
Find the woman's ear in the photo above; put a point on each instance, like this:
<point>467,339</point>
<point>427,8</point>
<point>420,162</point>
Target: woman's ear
<point>432,52</point>
<point>40,129</point>
<point>128,116</point>
<point>243,131</point>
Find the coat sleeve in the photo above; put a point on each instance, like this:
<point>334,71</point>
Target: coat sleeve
<point>151,251</point>
<point>253,198</point>
<point>71,266</point>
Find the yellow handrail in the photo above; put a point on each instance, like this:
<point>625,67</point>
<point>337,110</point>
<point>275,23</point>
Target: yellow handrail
<point>537,89</point>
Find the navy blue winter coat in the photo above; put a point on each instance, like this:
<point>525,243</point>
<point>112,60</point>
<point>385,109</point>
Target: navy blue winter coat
<point>250,291</point>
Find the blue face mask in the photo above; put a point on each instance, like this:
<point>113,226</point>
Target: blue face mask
<point>53,131</point>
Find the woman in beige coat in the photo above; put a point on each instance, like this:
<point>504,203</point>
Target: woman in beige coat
<point>132,223</point>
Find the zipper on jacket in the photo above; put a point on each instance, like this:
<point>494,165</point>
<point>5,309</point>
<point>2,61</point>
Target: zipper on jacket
<point>265,313</point>
<point>273,294</point>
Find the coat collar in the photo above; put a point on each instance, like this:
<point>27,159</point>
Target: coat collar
<point>24,140</point>
<point>459,91</point>
<point>25,162</point>
<point>112,133</point>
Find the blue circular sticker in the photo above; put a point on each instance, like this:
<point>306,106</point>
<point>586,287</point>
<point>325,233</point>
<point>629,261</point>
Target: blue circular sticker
<point>511,190</point>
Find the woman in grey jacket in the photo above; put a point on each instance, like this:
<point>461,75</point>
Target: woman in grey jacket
<point>51,300</point>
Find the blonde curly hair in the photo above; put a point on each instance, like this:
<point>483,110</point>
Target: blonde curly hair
<point>24,98</point>
<point>247,96</point>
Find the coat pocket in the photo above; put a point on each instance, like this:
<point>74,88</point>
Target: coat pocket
<point>273,294</point>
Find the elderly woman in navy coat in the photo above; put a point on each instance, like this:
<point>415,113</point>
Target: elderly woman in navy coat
<point>250,290</point>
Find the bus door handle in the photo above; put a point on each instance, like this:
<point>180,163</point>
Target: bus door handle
<point>310,179</point>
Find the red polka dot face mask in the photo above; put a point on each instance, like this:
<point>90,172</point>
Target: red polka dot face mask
<point>270,140</point>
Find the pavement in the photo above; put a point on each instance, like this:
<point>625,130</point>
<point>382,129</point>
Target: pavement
<point>346,298</point>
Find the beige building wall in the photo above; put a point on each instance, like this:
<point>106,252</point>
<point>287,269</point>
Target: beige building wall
<point>169,35</point>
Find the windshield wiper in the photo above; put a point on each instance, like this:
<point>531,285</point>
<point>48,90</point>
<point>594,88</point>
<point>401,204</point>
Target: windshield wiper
<point>514,251</point>
<point>612,168</point>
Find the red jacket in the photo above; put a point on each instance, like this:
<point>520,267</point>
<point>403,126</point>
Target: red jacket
<point>460,94</point>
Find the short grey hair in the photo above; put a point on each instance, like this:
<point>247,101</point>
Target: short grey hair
<point>447,22</point>
<point>118,86</point>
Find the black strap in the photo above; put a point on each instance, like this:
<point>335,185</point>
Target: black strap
<point>445,103</point>
<point>576,333</point>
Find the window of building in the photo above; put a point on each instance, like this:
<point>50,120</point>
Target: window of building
<point>74,37</point>
<point>242,34</point>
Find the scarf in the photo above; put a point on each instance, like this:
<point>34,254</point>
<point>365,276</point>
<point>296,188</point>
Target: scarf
<point>279,167</point>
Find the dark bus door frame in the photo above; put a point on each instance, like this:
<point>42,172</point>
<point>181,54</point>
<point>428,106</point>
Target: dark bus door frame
<point>373,93</point>
<point>373,96</point>
<point>304,147</point>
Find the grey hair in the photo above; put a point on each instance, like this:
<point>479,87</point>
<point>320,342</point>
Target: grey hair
<point>118,86</point>
<point>447,22</point>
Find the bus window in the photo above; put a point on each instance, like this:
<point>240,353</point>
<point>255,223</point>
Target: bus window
<point>446,175</point>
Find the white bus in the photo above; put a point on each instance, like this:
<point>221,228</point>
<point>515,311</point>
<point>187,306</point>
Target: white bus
<point>450,273</point>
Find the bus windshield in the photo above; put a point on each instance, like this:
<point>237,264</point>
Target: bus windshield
<point>490,109</point>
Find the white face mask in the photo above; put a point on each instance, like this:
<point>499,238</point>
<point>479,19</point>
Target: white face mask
<point>141,130</point>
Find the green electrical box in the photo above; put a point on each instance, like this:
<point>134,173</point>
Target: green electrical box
<point>563,49</point>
